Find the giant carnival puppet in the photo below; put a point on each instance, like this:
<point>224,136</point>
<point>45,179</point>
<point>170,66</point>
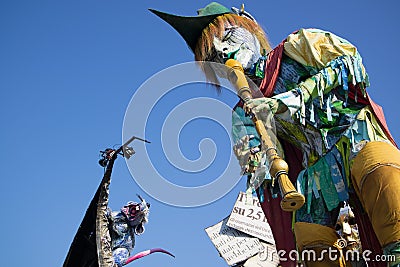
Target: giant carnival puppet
<point>331,134</point>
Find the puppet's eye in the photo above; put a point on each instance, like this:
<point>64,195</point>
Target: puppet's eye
<point>227,35</point>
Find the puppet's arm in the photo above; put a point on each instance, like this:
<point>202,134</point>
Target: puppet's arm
<point>331,61</point>
<point>339,73</point>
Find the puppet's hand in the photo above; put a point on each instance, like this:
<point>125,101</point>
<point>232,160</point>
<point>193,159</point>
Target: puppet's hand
<point>264,108</point>
<point>265,105</point>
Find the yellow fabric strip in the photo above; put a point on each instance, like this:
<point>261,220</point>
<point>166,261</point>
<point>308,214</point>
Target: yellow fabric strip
<point>316,48</point>
<point>375,132</point>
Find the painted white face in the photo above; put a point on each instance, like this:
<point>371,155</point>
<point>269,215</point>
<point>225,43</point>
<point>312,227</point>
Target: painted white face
<point>237,43</point>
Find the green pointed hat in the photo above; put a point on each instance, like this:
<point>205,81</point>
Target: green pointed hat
<point>190,28</point>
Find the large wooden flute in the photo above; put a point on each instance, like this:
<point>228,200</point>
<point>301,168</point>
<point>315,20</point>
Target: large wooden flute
<point>291,199</point>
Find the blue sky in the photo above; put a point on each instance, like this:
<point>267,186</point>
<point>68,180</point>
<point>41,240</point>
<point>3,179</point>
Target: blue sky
<point>68,71</point>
